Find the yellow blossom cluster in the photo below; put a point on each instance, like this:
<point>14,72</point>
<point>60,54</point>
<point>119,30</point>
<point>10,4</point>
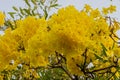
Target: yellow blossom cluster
<point>2,16</point>
<point>80,36</point>
<point>110,9</point>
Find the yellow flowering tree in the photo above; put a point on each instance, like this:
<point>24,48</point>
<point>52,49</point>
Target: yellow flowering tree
<point>70,44</point>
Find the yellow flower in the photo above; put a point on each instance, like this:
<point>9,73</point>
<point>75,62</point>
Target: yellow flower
<point>105,11</point>
<point>37,60</point>
<point>112,8</point>
<point>1,77</point>
<point>113,70</point>
<point>119,62</point>
<point>95,13</point>
<point>110,53</point>
<point>87,7</point>
<point>2,16</point>
<point>72,65</point>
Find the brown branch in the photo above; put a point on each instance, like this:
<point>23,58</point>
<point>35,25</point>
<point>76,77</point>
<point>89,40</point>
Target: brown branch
<point>114,40</point>
<point>115,36</point>
<point>84,64</point>
<point>102,69</point>
<point>57,56</point>
<point>60,57</point>
<point>66,71</point>
<point>59,64</point>
<point>85,55</point>
<point>110,21</point>
<point>63,57</point>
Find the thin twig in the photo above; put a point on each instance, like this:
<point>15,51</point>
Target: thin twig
<point>114,40</point>
<point>85,55</point>
<point>102,69</point>
<point>66,71</point>
<point>112,75</point>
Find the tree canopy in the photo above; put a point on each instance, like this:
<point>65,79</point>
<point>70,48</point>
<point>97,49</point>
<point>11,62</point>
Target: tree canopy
<point>69,44</point>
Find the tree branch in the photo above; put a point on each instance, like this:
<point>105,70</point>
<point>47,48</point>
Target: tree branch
<point>102,69</point>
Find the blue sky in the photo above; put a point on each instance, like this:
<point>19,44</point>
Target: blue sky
<point>6,5</point>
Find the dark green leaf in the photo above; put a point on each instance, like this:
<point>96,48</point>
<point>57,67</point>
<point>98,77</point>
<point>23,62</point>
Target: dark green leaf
<point>35,8</point>
<point>12,14</point>
<point>33,13</point>
<point>98,57</point>
<point>103,47</point>
<point>15,8</point>
<point>45,13</point>
<point>113,45</point>
<point>20,16</point>
<point>42,3</point>
<point>54,5</point>
<point>21,11</point>
<point>27,2</point>
<point>103,50</point>
<point>27,11</point>
<point>34,2</point>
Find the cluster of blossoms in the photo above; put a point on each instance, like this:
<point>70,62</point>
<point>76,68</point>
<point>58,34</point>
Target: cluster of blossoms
<point>2,16</point>
<point>80,37</point>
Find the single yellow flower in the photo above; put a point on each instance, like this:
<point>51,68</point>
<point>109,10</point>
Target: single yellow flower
<point>105,11</point>
<point>87,8</point>
<point>112,8</point>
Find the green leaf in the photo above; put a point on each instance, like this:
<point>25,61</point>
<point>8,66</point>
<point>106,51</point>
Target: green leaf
<point>34,2</point>
<point>115,77</point>
<point>33,13</point>
<point>27,2</point>
<point>35,8</point>
<point>42,3</point>
<point>12,14</point>
<point>20,16</point>
<point>27,11</point>
<point>113,45</point>
<point>98,57</point>
<point>21,11</point>
<point>45,13</point>
<point>54,5</point>
<point>53,1</point>
<point>104,53</point>
<point>103,50</point>
<point>103,47</point>
<point>8,23</point>
<point>15,8</point>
